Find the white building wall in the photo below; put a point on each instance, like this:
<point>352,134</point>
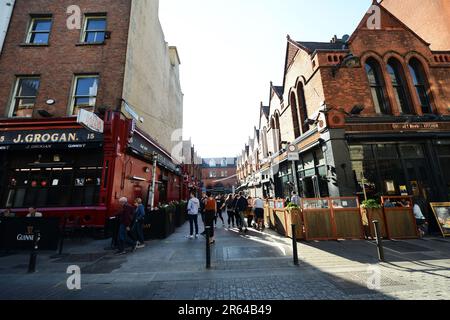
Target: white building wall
<point>6,9</point>
<point>152,84</point>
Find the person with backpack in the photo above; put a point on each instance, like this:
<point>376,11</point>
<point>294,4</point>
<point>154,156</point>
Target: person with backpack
<point>210,214</point>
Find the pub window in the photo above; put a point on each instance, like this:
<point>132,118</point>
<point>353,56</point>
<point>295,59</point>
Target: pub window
<point>39,31</point>
<point>421,85</point>
<point>84,93</point>
<point>94,29</point>
<point>397,76</point>
<point>43,182</point>
<point>25,93</point>
<point>361,152</point>
<point>377,87</point>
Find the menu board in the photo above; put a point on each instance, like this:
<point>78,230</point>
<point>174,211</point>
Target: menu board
<point>442,212</point>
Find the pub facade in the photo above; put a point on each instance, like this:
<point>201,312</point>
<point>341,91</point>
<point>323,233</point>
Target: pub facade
<point>367,114</point>
<point>50,75</point>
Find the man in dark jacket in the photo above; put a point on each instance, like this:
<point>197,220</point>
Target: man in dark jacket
<point>241,206</point>
<point>125,219</point>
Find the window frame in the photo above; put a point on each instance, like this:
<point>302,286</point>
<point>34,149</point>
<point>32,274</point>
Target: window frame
<point>400,86</point>
<point>421,85</point>
<point>30,31</point>
<point>377,90</point>
<point>15,97</point>
<point>73,96</point>
<point>84,33</point>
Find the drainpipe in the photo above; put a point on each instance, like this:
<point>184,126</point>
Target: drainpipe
<point>152,190</point>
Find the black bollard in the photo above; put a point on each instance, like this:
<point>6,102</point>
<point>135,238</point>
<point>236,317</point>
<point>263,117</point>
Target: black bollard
<point>294,245</point>
<point>63,233</point>
<point>208,248</point>
<point>33,254</point>
<point>376,224</point>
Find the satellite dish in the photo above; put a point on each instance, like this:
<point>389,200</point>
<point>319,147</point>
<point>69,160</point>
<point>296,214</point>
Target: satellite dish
<point>345,38</point>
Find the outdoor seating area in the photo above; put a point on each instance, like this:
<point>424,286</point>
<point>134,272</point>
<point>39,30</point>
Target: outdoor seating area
<point>341,218</point>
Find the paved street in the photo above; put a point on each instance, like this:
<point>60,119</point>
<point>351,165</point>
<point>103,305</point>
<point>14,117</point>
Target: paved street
<point>251,267</point>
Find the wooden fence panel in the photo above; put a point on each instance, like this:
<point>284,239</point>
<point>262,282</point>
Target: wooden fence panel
<point>318,224</point>
<point>400,223</point>
<point>348,224</point>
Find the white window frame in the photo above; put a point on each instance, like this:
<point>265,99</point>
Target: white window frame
<point>85,25</point>
<point>31,32</point>
<point>74,90</point>
<point>15,97</point>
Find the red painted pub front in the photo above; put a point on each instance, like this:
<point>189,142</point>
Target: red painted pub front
<point>66,170</point>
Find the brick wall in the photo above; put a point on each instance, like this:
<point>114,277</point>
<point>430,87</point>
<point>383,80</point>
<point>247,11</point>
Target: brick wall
<point>62,58</point>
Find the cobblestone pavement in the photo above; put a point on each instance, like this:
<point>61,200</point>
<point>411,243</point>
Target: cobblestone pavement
<point>255,266</point>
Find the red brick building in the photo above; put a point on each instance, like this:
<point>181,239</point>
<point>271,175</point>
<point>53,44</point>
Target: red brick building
<point>62,56</point>
<point>219,175</point>
<point>369,109</point>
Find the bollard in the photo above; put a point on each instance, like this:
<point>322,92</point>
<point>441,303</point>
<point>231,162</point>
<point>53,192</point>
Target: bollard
<point>33,254</point>
<point>63,232</point>
<point>376,224</point>
<point>294,245</point>
<point>208,248</point>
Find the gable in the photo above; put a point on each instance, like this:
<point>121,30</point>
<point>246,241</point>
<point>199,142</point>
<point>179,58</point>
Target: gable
<point>387,21</point>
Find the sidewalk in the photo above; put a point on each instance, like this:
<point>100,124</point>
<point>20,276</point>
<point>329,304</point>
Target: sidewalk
<point>244,267</point>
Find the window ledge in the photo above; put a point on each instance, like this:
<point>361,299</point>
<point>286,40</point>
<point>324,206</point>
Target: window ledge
<point>34,45</point>
<point>82,44</point>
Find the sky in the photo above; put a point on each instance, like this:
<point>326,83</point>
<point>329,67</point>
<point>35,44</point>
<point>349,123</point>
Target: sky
<point>230,50</point>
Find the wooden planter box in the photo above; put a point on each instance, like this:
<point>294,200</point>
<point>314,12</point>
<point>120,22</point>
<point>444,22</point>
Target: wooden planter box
<point>400,223</point>
<point>371,215</point>
<point>348,223</point>
<point>294,216</point>
<point>280,221</point>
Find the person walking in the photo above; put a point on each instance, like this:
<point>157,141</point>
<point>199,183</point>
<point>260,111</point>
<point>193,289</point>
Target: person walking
<point>202,211</point>
<point>258,206</point>
<point>241,206</point>
<point>210,213</point>
<point>236,214</point>
<point>250,212</point>
<point>138,223</point>
<point>125,219</point>
<point>220,202</point>
<point>193,209</point>
<point>230,213</point>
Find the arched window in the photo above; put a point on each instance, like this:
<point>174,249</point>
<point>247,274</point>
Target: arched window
<point>294,110</point>
<point>401,92</point>
<point>278,131</point>
<point>377,88</point>
<point>421,84</point>
<point>264,142</point>
<point>302,108</point>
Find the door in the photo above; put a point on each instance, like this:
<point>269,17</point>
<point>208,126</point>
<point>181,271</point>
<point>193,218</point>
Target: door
<point>419,179</point>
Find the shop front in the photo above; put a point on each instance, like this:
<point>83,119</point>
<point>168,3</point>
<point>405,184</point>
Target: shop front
<point>58,166</point>
<point>416,164</point>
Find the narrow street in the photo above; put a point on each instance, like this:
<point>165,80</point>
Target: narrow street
<point>255,266</point>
